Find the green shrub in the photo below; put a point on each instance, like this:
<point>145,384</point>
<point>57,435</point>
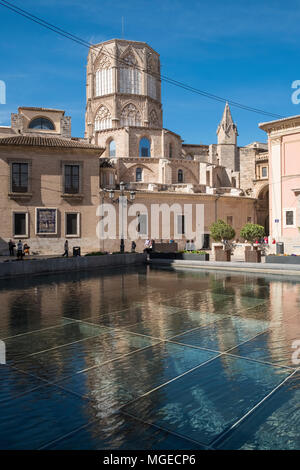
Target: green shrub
<point>252,232</point>
<point>221,231</point>
<point>96,253</point>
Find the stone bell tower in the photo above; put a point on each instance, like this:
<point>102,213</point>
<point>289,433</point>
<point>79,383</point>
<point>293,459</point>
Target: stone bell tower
<point>123,87</point>
<point>227,140</point>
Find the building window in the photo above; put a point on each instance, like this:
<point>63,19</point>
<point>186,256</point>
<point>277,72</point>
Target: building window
<point>20,224</point>
<point>19,177</point>
<point>152,87</point>
<point>180,224</point>
<point>138,174</point>
<point>233,182</point>
<point>41,123</point>
<point>170,150</point>
<point>249,220</point>
<point>130,116</point>
<point>104,82</point>
<point>130,81</point>
<point>72,185</point>
<point>103,119</point>
<point>142,227</point>
<point>144,150</point>
<point>180,176</point>
<point>72,224</point>
<point>112,148</point>
<point>264,172</point>
<point>289,218</point>
<point>230,219</point>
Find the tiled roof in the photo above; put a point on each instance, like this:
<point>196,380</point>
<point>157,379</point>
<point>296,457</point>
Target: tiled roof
<point>35,141</point>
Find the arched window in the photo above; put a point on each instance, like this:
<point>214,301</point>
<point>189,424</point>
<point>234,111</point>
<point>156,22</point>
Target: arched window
<point>145,146</point>
<point>130,116</point>
<point>42,123</point>
<point>130,76</point>
<point>112,148</point>
<point>103,77</point>
<point>138,174</point>
<point>103,119</point>
<point>170,150</point>
<point>153,119</point>
<point>180,176</point>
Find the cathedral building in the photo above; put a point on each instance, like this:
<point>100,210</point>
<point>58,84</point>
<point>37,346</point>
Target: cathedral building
<point>51,179</point>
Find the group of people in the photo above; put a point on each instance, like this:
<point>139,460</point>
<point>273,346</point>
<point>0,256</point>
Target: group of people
<point>190,245</point>
<point>22,250</point>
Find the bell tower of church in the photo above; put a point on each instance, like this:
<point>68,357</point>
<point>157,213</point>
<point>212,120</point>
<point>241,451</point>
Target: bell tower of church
<point>123,87</point>
<point>227,140</point>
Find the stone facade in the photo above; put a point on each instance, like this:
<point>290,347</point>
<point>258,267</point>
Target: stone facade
<point>124,127</point>
<point>284,148</point>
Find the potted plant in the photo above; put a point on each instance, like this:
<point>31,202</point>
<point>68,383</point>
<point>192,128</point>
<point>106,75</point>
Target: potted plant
<point>252,233</point>
<point>222,232</point>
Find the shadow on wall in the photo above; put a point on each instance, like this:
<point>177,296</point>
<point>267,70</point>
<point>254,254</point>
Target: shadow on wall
<point>3,247</point>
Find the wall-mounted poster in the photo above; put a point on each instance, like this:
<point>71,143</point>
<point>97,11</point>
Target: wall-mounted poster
<point>46,221</point>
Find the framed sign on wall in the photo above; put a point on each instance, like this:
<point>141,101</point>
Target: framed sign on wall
<point>46,221</point>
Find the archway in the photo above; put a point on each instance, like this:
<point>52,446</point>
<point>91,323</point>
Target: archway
<point>263,208</point>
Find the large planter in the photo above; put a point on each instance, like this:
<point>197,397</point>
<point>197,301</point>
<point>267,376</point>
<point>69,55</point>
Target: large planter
<point>252,256</point>
<point>283,259</point>
<point>221,254</point>
<point>180,256</point>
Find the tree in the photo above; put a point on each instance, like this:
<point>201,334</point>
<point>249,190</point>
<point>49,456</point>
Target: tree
<point>222,232</point>
<point>252,232</point>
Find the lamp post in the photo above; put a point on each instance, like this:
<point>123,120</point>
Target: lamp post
<point>120,201</point>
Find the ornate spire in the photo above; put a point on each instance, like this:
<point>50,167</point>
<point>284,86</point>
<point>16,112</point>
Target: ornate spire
<point>227,130</point>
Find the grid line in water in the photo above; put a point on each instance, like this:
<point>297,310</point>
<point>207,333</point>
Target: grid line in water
<point>223,435</point>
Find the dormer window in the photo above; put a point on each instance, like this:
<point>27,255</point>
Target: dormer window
<point>41,123</point>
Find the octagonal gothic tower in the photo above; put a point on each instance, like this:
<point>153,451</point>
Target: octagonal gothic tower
<point>123,87</point>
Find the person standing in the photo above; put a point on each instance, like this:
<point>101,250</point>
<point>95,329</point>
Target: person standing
<point>11,247</point>
<point>133,247</point>
<point>20,250</point>
<point>26,249</point>
<point>66,248</point>
<point>147,246</point>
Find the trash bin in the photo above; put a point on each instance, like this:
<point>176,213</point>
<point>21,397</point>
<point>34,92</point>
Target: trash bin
<point>279,248</point>
<point>76,251</point>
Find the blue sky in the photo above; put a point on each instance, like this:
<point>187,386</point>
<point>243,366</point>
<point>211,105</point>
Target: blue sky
<point>241,50</point>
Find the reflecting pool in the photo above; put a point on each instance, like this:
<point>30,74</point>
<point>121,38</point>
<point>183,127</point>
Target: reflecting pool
<point>150,359</point>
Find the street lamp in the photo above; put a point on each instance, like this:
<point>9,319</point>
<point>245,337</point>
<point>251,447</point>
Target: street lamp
<point>120,201</point>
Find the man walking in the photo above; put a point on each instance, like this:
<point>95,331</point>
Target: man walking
<point>66,248</point>
<point>20,250</point>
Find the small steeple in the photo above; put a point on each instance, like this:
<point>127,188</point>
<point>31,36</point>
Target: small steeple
<point>227,130</point>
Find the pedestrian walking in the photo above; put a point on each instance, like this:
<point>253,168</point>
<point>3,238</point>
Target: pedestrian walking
<point>20,250</point>
<point>66,248</point>
<point>133,247</point>
<point>11,246</point>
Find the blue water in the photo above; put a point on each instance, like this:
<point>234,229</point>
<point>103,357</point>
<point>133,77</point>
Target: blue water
<point>150,359</point>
